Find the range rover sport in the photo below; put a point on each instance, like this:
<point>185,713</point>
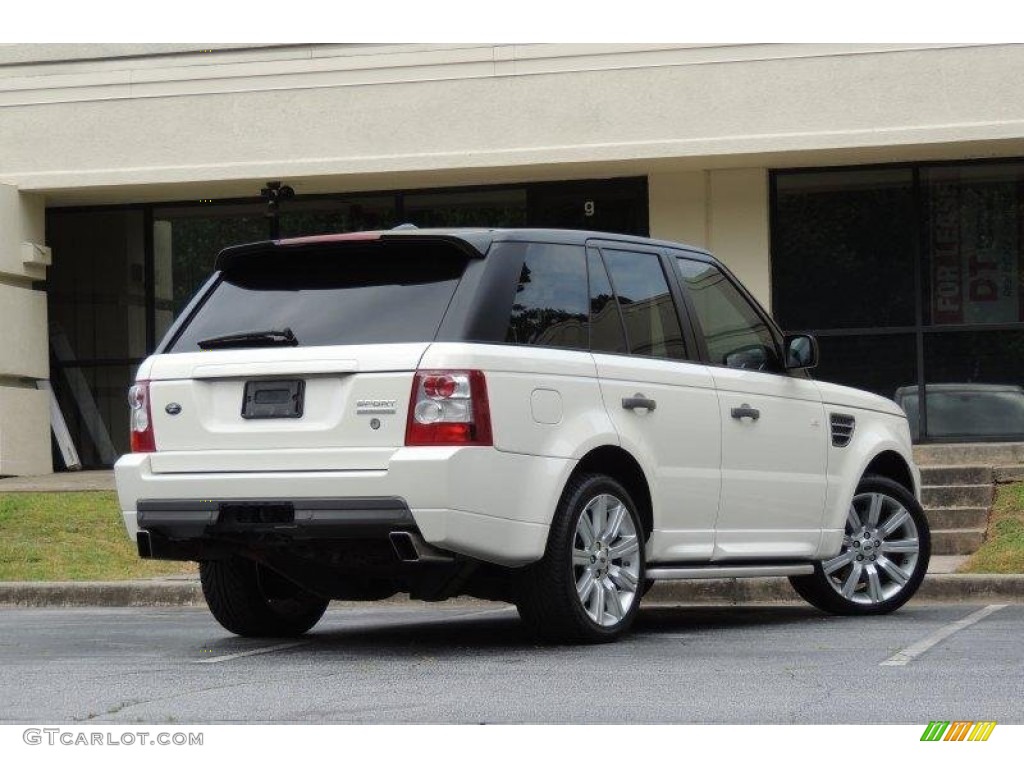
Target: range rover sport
<point>552,418</point>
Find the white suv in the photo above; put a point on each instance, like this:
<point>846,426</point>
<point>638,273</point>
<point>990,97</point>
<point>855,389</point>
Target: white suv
<point>553,418</point>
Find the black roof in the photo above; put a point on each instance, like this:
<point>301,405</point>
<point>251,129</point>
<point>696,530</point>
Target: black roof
<point>475,242</point>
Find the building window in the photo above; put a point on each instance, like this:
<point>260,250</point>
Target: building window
<point>911,277</point>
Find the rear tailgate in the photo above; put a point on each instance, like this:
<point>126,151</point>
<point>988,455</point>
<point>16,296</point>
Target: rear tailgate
<point>335,329</point>
<point>354,401</point>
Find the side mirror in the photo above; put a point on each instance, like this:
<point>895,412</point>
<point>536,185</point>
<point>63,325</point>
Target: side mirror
<point>801,351</point>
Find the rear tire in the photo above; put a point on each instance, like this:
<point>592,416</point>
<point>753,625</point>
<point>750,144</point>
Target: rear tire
<point>884,557</point>
<point>252,601</point>
<point>587,587</point>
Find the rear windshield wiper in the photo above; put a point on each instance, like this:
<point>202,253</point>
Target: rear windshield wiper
<point>273,338</point>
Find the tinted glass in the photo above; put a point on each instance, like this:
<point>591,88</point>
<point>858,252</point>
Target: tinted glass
<point>652,325</point>
<point>97,285</point>
<point>473,208</point>
<point>974,383</point>
<point>550,305</point>
<point>606,334</point>
<point>98,329</point>
<point>612,205</point>
<point>332,295</point>
<point>838,237</point>
<point>316,217</point>
<point>879,364</point>
<point>735,334</point>
<point>186,242</point>
<point>92,401</point>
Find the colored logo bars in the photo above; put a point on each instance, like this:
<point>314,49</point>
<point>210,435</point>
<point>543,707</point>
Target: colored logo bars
<point>958,730</point>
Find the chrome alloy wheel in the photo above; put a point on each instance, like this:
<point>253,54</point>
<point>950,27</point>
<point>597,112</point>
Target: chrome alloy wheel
<point>880,550</point>
<point>606,560</point>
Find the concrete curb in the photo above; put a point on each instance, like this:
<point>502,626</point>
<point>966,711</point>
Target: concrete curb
<point>187,592</point>
<point>68,594</point>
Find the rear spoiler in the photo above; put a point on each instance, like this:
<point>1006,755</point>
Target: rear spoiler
<point>474,243</point>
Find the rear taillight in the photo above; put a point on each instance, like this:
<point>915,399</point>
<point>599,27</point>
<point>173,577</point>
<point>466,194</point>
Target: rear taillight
<point>449,408</point>
<point>141,419</point>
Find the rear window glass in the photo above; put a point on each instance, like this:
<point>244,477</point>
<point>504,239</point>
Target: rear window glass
<point>550,307</point>
<point>332,295</point>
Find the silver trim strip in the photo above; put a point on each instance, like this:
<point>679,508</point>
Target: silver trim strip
<point>727,572</point>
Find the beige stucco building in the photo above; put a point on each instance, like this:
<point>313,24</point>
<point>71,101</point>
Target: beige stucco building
<point>838,182</point>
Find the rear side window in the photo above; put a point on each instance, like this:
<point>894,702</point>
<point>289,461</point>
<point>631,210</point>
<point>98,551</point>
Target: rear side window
<point>332,294</point>
<point>550,304</point>
<point>649,313</point>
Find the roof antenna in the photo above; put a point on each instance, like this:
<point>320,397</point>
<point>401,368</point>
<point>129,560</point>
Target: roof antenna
<point>407,225</point>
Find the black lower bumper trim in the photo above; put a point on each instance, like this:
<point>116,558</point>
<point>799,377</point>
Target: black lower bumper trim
<point>295,518</point>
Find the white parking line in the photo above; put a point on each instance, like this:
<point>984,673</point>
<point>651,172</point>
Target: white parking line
<point>253,652</point>
<point>420,622</point>
<point>911,652</point>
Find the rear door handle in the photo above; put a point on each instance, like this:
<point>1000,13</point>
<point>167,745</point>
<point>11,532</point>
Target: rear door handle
<point>638,401</point>
<point>745,411</point>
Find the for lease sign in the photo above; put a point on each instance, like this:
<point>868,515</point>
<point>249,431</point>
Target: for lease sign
<point>975,242</point>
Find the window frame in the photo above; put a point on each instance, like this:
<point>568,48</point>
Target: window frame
<point>594,255</point>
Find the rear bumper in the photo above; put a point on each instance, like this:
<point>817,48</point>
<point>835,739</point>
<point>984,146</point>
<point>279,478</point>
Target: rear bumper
<point>298,518</point>
<point>478,502</point>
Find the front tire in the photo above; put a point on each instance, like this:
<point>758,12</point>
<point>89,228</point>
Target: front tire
<point>587,587</point>
<point>251,600</point>
<point>885,554</point>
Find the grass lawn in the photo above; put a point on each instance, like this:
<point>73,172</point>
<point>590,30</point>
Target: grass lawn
<point>1003,550</point>
<point>75,536</point>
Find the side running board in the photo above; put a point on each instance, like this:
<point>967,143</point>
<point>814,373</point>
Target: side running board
<point>683,573</point>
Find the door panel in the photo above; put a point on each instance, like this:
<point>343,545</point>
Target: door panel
<point>773,468</point>
<point>677,441</point>
<point>678,444</point>
<point>774,440</point>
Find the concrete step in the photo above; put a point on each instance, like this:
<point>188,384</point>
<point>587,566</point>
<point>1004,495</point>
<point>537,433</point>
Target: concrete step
<point>960,541</point>
<point>952,518</point>
<point>1013,473</point>
<point>956,496</point>
<point>956,475</point>
<point>972,454</point>
<point>946,563</point>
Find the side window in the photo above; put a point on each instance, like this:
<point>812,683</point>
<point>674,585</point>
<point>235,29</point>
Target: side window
<point>734,332</point>
<point>648,311</point>
<point>550,305</point>
<point>606,333</point>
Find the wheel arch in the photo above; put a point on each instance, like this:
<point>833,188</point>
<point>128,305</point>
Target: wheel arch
<point>619,464</point>
<point>892,465</point>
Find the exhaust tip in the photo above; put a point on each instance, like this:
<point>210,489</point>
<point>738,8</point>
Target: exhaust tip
<point>404,546</point>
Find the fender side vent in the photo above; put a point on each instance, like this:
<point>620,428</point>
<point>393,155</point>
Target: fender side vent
<point>842,429</point>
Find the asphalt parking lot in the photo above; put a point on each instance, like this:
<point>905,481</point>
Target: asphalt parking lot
<point>472,663</point>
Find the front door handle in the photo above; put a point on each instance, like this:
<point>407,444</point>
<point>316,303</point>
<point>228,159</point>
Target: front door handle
<point>638,401</point>
<point>745,411</point>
